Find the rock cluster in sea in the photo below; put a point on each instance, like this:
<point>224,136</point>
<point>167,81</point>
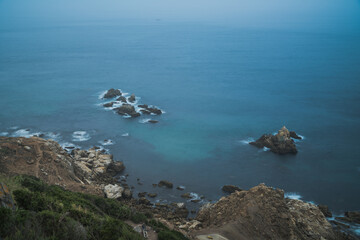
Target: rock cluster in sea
<point>280,143</point>
<point>128,106</point>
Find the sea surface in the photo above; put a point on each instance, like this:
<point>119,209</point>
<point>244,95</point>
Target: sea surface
<point>220,86</point>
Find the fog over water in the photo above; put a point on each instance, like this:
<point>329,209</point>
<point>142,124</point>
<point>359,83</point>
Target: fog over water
<point>224,71</point>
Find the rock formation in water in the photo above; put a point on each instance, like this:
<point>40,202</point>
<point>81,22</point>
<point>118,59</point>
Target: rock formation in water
<point>111,93</point>
<point>280,143</point>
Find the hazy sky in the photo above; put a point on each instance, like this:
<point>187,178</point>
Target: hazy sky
<point>249,12</point>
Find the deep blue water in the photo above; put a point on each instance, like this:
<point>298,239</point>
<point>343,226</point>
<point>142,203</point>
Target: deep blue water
<point>219,85</point>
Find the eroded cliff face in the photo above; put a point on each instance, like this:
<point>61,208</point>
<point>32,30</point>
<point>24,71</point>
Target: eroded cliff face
<point>264,213</point>
<point>83,171</point>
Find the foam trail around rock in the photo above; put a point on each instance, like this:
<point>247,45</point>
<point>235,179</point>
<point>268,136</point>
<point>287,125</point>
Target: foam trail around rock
<point>80,136</point>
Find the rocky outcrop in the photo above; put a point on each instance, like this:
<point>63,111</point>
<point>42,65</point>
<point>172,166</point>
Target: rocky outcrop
<point>350,217</point>
<point>264,213</point>
<point>280,143</point>
<point>230,188</point>
<point>127,106</point>
<point>111,93</point>
<point>325,210</point>
<point>95,165</point>
<point>80,171</point>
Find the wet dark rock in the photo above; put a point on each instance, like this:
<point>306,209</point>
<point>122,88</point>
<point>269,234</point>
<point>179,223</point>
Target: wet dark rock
<point>350,217</point>
<point>111,93</point>
<point>127,109</point>
<point>122,99</point>
<point>280,143</point>
<point>195,200</point>
<point>141,194</point>
<point>164,183</point>
<point>109,104</point>
<point>115,168</point>
<point>154,110</point>
<point>294,135</point>
<point>181,188</point>
<point>325,210</point>
<point>186,195</point>
<point>145,111</point>
<point>143,106</point>
<point>153,121</point>
<point>127,194</point>
<point>230,188</point>
<point>132,98</point>
<point>144,201</point>
<point>152,195</point>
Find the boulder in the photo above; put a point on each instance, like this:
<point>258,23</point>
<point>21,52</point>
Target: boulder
<point>127,109</point>
<point>109,104</point>
<point>181,188</point>
<point>186,195</point>
<point>132,98</point>
<point>280,143</point>
<point>122,99</point>
<point>145,111</point>
<point>144,201</point>
<point>115,168</point>
<point>143,106</point>
<point>141,194</point>
<point>127,194</point>
<point>164,183</point>
<point>154,110</point>
<point>113,191</point>
<point>111,93</point>
<point>152,195</point>
<point>230,188</point>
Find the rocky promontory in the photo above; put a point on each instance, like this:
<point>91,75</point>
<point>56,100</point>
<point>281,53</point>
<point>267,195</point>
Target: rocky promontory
<point>280,143</point>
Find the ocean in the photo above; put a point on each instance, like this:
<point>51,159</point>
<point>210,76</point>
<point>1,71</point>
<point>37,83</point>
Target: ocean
<point>220,86</point>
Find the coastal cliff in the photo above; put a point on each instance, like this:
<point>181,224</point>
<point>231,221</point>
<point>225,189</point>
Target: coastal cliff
<point>60,178</point>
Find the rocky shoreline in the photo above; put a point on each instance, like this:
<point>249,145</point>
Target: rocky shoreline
<point>238,215</point>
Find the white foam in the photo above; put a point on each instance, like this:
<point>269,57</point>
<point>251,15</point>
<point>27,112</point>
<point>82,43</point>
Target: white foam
<point>182,187</point>
<point>302,137</point>
<point>80,136</point>
<point>293,195</point>
<point>145,120</point>
<point>194,196</point>
<point>68,144</point>
<point>102,94</point>
<point>106,142</point>
<point>265,149</point>
<point>14,127</point>
<point>247,141</point>
<point>24,133</point>
<point>53,136</point>
<point>125,134</point>
<point>2,134</point>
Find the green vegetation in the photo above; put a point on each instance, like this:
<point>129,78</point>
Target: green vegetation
<point>50,212</point>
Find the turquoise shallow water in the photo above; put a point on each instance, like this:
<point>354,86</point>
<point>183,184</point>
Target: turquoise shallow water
<point>219,86</point>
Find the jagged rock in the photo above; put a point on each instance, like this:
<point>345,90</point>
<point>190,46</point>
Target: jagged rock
<point>264,213</point>
<point>125,109</point>
<point>181,188</point>
<point>132,98</point>
<point>143,106</point>
<point>145,111</point>
<point>111,93</point>
<point>294,135</point>
<point>181,212</point>
<point>122,99</point>
<point>115,168</point>
<point>6,199</point>
<point>325,210</point>
<point>280,143</point>
<point>230,188</point>
<point>109,104</point>
<point>113,191</point>
<point>164,183</point>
